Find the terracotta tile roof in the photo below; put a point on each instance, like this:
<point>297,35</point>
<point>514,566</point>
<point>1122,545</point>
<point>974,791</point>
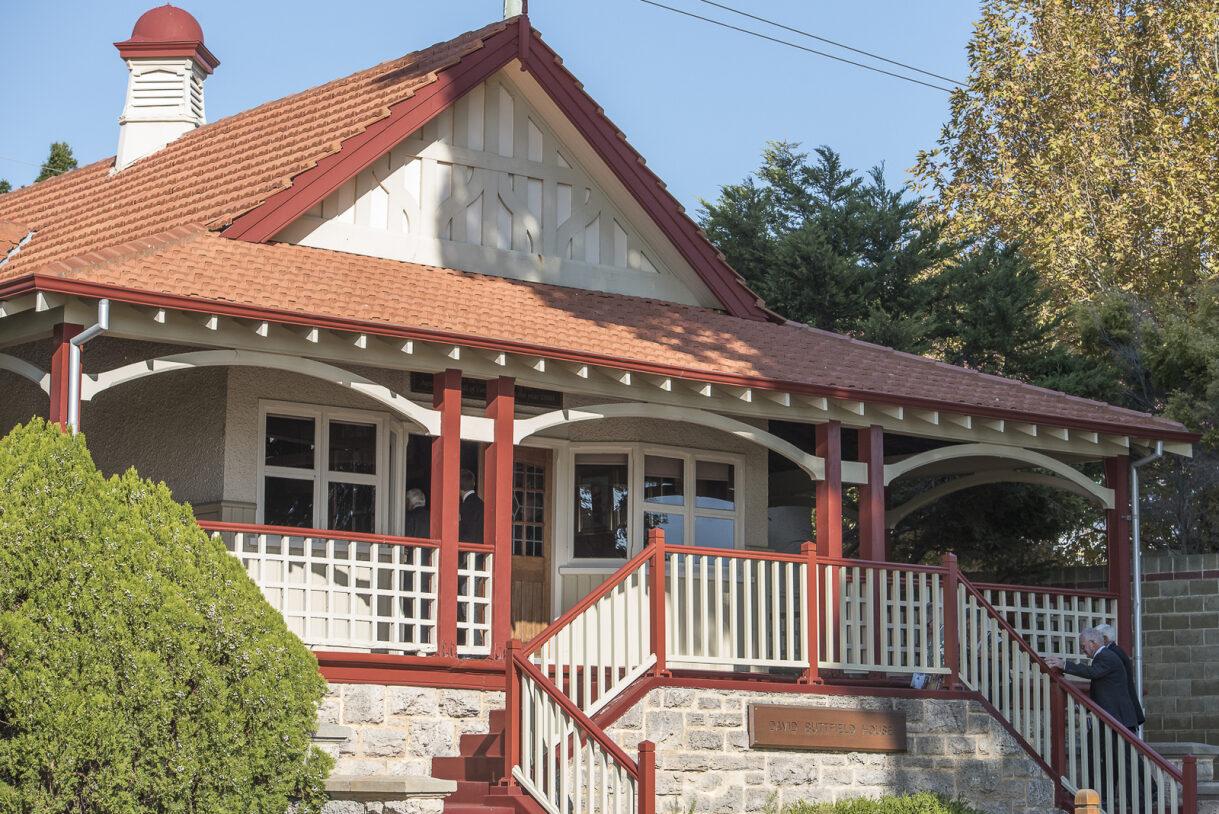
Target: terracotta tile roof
<point>216,172</point>
<point>11,235</point>
<point>202,265</point>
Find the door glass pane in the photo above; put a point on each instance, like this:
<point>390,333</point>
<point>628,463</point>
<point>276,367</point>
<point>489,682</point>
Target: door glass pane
<point>602,506</point>
<point>528,509</point>
<point>714,485</point>
<point>674,525</point>
<point>714,532</point>
<point>288,502</point>
<point>289,442</point>
<point>663,481</point>
<point>353,447</point>
<point>351,506</point>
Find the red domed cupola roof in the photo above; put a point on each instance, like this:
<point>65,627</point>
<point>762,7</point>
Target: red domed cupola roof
<point>168,31</point>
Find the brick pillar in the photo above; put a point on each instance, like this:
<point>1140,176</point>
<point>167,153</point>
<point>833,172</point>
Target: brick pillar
<point>1118,549</point>
<point>58,411</point>
<point>872,535</point>
<point>446,504</point>
<point>829,490</point>
<point>497,495</point>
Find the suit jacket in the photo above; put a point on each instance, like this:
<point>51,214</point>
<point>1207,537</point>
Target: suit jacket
<point>419,522</point>
<point>1134,693</point>
<point>1110,685</point>
<point>470,527</point>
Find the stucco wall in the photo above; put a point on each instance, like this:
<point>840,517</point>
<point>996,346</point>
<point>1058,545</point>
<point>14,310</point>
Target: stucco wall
<point>703,757</point>
<point>170,427</point>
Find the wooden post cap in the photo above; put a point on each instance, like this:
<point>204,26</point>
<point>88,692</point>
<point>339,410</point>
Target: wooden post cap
<point>1087,801</point>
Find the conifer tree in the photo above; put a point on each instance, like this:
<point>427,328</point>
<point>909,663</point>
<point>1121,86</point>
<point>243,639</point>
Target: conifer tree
<point>59,161</point>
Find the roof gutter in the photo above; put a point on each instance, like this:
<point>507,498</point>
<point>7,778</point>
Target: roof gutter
<point>76,345</point>
<point>1137,569</point>
<point>59,285</point>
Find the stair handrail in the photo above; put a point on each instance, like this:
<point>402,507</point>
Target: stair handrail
<point>613,581</point>
<point>1057,680</point>
<point>642,771</point>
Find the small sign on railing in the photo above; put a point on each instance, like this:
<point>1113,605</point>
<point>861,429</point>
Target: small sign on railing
<point>791,727</point>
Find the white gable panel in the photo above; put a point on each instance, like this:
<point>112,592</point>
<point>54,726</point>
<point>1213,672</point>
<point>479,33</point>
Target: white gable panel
<point>488,186</point>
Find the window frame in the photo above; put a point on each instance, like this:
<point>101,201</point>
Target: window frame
<point>637,453</point>
<point>388,434</point>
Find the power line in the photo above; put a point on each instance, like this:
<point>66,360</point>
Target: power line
<point>32,164</point>
<point>797,46</point>
<point>819,38</point>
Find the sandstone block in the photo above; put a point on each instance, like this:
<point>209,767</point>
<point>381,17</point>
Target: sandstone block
<point>413,701</point>
<point>363,704</point>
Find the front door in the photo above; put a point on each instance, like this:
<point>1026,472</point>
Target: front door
<point>532,494</point>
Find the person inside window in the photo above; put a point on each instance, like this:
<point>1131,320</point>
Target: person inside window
<point>418,517</point>
<point>470,528</point>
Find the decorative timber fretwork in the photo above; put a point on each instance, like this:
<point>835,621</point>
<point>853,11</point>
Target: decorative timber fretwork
<point>487,186</point>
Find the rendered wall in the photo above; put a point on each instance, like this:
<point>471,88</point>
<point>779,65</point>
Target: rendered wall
<point>703,757</point>
<point>170,427</point>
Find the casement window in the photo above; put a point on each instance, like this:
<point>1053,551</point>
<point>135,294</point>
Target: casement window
<point>323,468</point>
<point>620,493</point>
<point>692,498</point>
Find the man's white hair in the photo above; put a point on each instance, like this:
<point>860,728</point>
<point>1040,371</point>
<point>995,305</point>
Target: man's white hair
<point>1091,634</point>
<point>1107,633</point>
<point>415,498</point>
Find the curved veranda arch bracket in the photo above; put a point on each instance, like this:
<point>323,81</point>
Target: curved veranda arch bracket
<point>26,370</point>
<point>812,465</point>
<point>425,417</point>
<point>1102,495</point>
<point>897,514</point>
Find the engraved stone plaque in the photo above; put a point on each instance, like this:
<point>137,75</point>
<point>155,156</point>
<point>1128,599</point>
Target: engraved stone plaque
<point>818,728</point>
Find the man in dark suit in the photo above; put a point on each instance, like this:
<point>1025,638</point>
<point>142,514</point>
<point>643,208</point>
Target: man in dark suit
<point>1109,689</point>
<point>1109,635</point>
<point>470,524</point>
<point>1109,680</point>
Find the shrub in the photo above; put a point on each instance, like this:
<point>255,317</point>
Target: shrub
<point>140,669</point>
<point>922,803</point>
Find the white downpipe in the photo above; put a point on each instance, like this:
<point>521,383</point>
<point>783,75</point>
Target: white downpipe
<point>76,343</point>
<point>1137,569</point>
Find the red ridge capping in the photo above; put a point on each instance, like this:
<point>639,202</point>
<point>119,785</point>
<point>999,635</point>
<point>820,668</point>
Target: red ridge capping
<point>358,152</point>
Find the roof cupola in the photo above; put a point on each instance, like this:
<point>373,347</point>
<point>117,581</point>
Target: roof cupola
<point>167,63</point>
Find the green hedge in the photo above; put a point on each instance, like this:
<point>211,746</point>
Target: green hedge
<point>140,669</point>
<point>923,803</point>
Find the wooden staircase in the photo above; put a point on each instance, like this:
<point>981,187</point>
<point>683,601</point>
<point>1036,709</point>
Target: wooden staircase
<point>478,770</point>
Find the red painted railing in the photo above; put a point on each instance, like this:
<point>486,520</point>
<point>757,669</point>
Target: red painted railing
<point>561,757</point>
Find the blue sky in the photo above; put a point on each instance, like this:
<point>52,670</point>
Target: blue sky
<point>697,101</point>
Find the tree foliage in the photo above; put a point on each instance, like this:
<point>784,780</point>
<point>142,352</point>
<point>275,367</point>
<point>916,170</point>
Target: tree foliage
<point>5,186</point>
<point>140,668</point>
<point>849,254</point>
<point>1087,133</point>
<point>59,161</point>
<point>1164,358</point>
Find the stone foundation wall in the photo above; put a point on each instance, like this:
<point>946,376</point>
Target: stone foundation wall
<point>398,730</point>
<point>703,757</point>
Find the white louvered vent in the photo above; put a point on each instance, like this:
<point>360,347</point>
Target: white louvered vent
<point>164,100</point>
